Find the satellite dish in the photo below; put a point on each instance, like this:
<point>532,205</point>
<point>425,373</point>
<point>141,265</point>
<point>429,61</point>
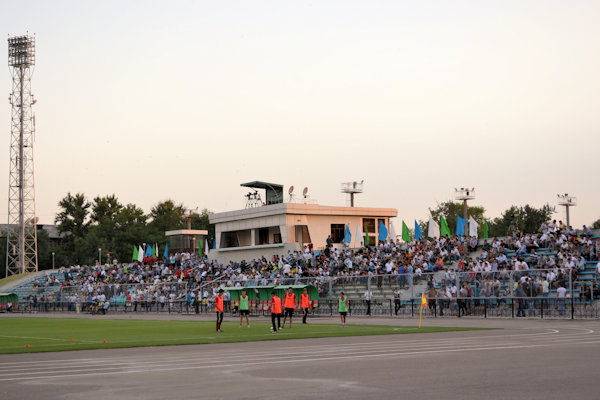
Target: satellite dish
<point>305,191</point>
<point>291,190</point>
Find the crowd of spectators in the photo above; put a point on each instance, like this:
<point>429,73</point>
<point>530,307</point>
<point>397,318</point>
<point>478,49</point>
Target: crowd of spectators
<point>471,268</point>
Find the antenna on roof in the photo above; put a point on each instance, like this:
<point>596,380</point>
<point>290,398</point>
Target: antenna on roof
<point>352,188</point>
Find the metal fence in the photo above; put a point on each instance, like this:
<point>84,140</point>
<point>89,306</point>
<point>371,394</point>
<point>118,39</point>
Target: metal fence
<point>532,293</point>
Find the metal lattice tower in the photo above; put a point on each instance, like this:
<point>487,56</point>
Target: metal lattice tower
<point>21,250</point>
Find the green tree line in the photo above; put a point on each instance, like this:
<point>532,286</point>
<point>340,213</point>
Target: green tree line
<point>526,219</point>
<point>106,223</point>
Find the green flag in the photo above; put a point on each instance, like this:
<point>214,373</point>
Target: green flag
<point>154,251</point>
<point>444,231</point>
<point>200,247</point>
<point>485,229</point>
<point>134,257</point>
<point>367,238</point>
<point>405,232</point>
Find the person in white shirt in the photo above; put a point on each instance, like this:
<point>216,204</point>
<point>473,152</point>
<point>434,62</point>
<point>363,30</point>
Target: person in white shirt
<point>368,297</point>
<point>561,293</point>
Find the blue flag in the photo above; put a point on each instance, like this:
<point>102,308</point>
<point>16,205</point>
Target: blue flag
<point>383,232</point>
<point>347,235</point>
<point>460,225</point>
<point>418,232</point>
<point>148,252</point>
<point>166,253</point>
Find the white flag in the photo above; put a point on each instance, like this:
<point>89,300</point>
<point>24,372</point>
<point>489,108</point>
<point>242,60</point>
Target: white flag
<point>433,230</point>
<point>392,232</point>
<point>359,235</point>
<point>140,254</point>
<point>473,225</point>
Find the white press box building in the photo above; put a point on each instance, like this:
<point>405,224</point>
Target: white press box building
<point>276,228</point>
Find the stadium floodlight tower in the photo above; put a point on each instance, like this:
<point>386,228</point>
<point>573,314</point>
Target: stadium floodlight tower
<point>21,249</point>
<point>464,194</point>
<point>567,201</point>
<point>352,188</point>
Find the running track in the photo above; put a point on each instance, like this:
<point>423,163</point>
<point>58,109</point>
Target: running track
<point>526,360</point>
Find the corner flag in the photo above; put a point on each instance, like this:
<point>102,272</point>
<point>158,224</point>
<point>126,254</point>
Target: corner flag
<point>423,304</point>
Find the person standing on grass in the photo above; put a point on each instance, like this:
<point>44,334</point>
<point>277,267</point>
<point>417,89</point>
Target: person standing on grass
<point>343,305</point>
<point>290,304</point>
<point>219,309</point>
<point>275,312</point>
<point>244,306</point>
<point>305,304</point>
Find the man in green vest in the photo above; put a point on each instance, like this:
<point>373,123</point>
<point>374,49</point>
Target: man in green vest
<point>343,305</point>
<point>244,305</point>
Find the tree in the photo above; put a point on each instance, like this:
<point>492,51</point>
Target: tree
<point>167,216</point>
<point>595,224</point>
<point>526,218</point>
<point>117,235</point>
<point>105,208</point>
<point>131,228</point>
<point>450,210</point>
<point>201,221</point>
<point>73,223</point>
<point>73,219</point>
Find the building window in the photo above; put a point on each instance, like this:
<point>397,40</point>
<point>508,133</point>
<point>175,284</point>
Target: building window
<point>369,225</point>
<point>263,236</point>
<point>337,233</point>
<point>229,239</point>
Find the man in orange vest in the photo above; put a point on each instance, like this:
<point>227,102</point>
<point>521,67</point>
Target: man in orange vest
<point>305,304</point>
<point>290,304</point>
<point>275,312</point>
<point>219,309</point>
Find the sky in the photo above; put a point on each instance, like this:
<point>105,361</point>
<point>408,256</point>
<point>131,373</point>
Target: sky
<point>152,100</point>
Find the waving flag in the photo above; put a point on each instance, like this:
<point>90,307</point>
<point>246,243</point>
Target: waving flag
<point>359,235</point>
<point>433,229</point>
<point>392,232</point>
<point>460,225</point>
<point>418,231</point>
<point>405,232</point>
<point>347,235</point>
<point>444,225</point>
<point>383,232</point>
<point>473,226</point>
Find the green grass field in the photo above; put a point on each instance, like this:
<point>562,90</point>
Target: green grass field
<point>30,335</point>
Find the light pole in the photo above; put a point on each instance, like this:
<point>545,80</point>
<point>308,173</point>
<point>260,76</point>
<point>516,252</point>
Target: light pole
<point>567,201</point>
<point>52,260</point>
<point>464,194</point>
<point>99,255</point>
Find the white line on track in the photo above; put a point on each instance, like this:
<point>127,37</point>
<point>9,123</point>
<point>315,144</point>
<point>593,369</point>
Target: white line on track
<point>371,347</point>
<point>293,360</point>
<point>354,351</point>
